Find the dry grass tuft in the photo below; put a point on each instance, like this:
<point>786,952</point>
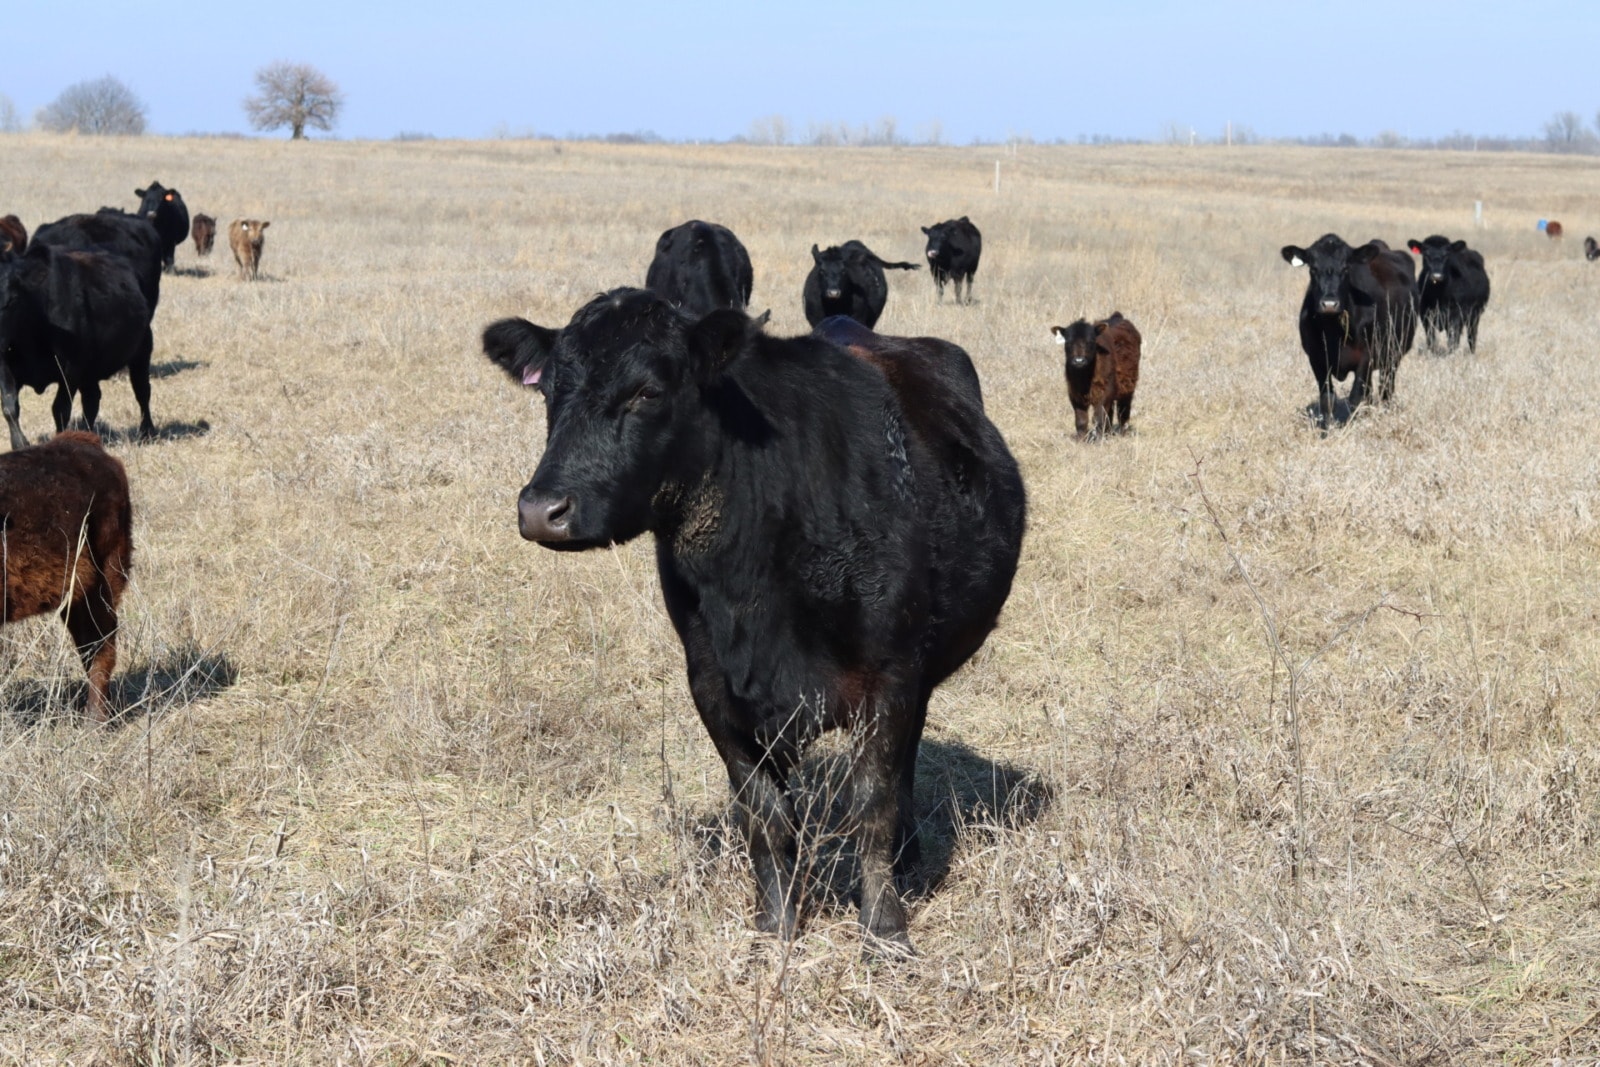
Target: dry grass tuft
<point>396,788</point>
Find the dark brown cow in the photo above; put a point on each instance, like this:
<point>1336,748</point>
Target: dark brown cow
<point>204,232</point>
<point>1591,249</point>
<point>1552,230</point>
<point>1102,368</point>
<point>13,235</point>
<point>245,237</point>
<point>66,528</point>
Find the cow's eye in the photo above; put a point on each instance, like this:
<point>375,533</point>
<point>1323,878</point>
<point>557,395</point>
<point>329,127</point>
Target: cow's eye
<point>645,395</point>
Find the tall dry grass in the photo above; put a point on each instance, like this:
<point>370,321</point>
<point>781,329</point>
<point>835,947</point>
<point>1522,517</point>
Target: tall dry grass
<point>1286,749</point>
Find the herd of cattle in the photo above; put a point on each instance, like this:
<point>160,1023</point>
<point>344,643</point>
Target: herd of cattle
<point>76,302</point>
<point>837,521</point>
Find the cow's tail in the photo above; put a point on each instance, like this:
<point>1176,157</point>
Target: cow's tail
<point>897,266</point>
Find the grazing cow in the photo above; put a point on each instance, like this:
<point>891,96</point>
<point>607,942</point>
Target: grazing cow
<point>13,235</point>
<point>1102,369</point>
<point>836,530</point>
<point>1552,230</point>
<point>1359,314</point>
<point>245,237</point>
<point>1591,249</point>
<point>701,267</point>
<point>848,280</point>
<point>66,526</point>
<point>1453,291</point>
<point>204,232</point>
<point>117,232</point>
<point>72,320</point>
<point>167,212</point>
<point>953,250</point>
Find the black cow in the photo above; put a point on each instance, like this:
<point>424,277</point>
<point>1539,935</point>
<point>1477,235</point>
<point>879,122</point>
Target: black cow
<point>166,210</point>
<point>1591,249</point>
<point>1454,289</point>
<point>848,280</point>
<point>953,250</point>
<point>701,267</point>
<point>72,320</point>
<point>110,230</point>
<point>1359,314</point>
<point>836,530</point>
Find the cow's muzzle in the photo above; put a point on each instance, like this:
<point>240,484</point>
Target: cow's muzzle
<point>1436,276</point>
<point>832,294</point>
<point>545,518</point>
<point>1329,307</point>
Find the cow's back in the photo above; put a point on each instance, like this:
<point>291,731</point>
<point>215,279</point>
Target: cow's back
<point>969,488</point>
<point>1125,344</point>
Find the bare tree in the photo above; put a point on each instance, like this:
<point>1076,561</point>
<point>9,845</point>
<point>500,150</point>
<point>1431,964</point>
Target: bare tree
<point>102,106</point>
<point>9,122</point>
<point>1564,132</point>
<point>771,129</point>
<point>295,95</point>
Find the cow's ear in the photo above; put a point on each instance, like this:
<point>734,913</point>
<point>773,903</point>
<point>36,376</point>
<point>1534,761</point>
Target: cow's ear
<point>1294,255</point>
<point>759,323</point>
<point>816,253</point>
<point>1415,246</point>
<point>1365,253</point>
<point>521,349</point>
<point>264,225</point>
<point>1458,246</point>
<point>1100,327</point>
<point>926,230</point>
<point>716,341</point>
<point>1060,334</point>
<point>139,193</point>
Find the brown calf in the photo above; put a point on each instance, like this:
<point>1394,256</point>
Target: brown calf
<point>245,237</point>
<point>1552,230</point>
<point>13,235</point>
<point>66,535</point>
<point>1102,370</point>
<point>204,232</point>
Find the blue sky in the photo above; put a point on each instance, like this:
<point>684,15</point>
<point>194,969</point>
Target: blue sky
<point>705,70</point>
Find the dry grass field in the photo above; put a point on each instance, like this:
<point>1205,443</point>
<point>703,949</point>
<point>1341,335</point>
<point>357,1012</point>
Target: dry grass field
<point>1286,750</point>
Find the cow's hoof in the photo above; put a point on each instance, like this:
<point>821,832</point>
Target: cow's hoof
<point>887,948</point>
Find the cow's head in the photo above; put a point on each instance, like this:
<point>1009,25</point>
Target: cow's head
<point>624,410</point>
<point>938,234</point>
<point>157,199</point>
<point>1435,252</point>
<point>1080,342</point>
<point>833,272</point>
<point>1329,262</point>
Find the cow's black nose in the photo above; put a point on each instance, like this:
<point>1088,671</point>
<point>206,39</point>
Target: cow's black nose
<point>1330,306</point>
<point>544,518</point>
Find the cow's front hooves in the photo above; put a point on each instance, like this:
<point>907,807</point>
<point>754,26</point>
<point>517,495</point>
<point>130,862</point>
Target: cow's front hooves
<point>892,947</point>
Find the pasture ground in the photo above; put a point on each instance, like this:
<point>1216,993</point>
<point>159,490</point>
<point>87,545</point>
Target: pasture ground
<point>1287,749</point>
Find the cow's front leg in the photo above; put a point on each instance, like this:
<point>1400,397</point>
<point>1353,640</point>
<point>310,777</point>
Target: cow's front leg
<point>769,831</point>
<point>10,407</point>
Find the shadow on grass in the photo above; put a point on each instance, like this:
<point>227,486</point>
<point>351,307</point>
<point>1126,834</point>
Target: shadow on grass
<point>1341,411</point>
<point>960,794</point>
<point>180,678</point>
<point>171,431</point>
<point>174,366</point>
